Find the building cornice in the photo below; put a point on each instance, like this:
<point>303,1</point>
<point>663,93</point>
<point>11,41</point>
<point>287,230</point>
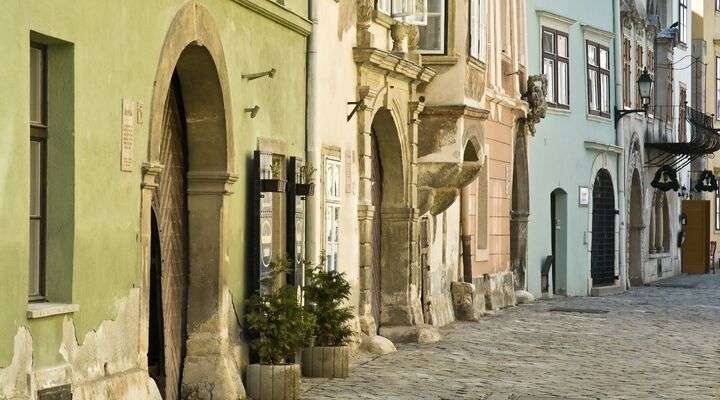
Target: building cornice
<point>559,19</point>
<point>279,14</point>
<point>591,30</point>
<point>602,147</point>
<point>456,111</point>
<point>392,63</point>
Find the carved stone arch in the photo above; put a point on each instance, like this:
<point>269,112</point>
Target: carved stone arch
<point>475,138</point>
<point>192,55</point>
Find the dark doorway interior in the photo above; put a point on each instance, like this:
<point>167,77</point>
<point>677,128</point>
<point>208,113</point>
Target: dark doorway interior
<point>377,202</point>
<point>602,262</point>
<point>156,345</point>
<point>553,239</point>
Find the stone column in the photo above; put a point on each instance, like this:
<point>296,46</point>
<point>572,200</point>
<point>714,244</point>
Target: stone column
<point>150,174</point>
<point>211,345</point>
<point>366,213</point>
<point>365,10</point>
<point>398,33</point>
<point>659,226</point>
<point>651,233</point>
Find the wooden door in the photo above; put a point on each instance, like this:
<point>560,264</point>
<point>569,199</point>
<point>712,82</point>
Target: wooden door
<point>696,248</point>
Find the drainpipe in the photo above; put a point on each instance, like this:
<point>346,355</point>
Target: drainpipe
<point>619,141</point>
<point>311,134</point>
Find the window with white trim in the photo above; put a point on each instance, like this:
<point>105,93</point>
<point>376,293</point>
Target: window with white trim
<point>432,34</point>
<point>555,59</point>
<point>478,43</point>
<point>683,21</point>
<point>598,78</point>
<point>333,168</point>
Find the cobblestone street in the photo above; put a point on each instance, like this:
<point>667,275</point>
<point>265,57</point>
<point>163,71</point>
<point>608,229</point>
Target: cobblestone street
<point>654,342</point>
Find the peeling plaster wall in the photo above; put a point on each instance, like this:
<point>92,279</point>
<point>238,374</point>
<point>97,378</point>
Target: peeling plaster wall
<point>444,263</point>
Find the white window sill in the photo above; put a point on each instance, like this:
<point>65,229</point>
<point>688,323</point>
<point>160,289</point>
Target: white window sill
<point>558,111</point>
<point>598,118</point>
<point>43,310</point>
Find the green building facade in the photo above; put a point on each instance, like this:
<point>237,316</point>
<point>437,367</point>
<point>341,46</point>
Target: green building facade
<point>124,187</point>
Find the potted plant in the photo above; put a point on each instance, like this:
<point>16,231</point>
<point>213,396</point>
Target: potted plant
<point>325,295</point>
<point>273,183</point>
<point>278,327</point>
<point>305,186</point>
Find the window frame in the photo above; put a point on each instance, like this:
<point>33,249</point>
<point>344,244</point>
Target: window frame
<point>627,72</point>
<point>334,203</point>
<point>682,20</point>
<point>482,31</point>
<point>598,83</point>
<point>556,58</point>
<point>38,134</point>
<point>443,32</point>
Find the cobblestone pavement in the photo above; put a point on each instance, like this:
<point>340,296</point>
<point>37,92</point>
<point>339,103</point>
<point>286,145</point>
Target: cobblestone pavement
<point>654,342</point>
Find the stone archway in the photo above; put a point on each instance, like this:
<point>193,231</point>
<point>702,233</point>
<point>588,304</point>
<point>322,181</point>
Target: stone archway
<point>636,228</point>
<point>193,54</point>
<point>392,227</point>
<point>520,208</point>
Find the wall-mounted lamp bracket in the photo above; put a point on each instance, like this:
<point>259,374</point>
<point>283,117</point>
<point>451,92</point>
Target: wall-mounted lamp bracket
<point>619,113</point>
<point>357,106</point>
<point>270,74</point>
<point>253,111</point>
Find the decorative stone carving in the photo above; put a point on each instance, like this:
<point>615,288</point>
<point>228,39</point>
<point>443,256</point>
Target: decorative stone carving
<point>535,96</point>
<point>439,183</point>
<point>398,33</point>
<point>365,10</point>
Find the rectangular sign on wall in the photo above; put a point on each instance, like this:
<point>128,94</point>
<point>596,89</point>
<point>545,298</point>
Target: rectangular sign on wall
<point>127,135</point>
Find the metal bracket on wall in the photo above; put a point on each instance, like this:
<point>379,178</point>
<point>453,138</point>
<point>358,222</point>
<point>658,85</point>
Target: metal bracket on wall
<point>269,73</point>
<point>357,106</point>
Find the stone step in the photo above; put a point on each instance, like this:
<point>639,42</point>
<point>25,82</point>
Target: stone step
<point>601,291</point>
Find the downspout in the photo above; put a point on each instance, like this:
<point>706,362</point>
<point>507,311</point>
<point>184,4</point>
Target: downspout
<point>311,134</point>
<point>619,141</point>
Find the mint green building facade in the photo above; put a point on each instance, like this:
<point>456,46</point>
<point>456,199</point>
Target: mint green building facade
<point>111,68</point>
<point>573,224</point>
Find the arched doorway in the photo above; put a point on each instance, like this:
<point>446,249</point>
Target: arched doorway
<point>169,206</point>
<point>471,202</point>
<point>602,260</point>
<point>636,226</point>
<point>520,208</point>
<point>186,182</point>
<point>394,304</point>
<point>558,241</point>
<point>156,337</point>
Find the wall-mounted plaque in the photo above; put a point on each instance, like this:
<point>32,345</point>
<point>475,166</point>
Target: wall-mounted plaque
<point>127,135</point>
<point>583,196</point>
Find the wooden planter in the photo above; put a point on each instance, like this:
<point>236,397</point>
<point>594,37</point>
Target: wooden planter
<point>273,382</point>
<point>304,189</point>
<point>325,362</point>
<point>273,185</point>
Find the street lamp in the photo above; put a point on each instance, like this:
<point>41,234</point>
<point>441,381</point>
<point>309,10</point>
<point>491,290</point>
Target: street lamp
<point>645,84</point>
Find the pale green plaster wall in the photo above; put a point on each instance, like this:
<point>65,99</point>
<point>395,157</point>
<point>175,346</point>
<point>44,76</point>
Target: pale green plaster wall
<point>116,52</point>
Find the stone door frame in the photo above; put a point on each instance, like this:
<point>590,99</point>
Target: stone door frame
<point>193,48</point>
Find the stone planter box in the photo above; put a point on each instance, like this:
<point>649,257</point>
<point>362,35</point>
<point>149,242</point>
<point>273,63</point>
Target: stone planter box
<point>273,382</point>
<point>326,362</point>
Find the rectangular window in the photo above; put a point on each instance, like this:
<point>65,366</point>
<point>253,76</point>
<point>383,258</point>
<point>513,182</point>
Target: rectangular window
<point>639,53</point>
<point>478,32</point>
<point>38,137</point>
<point>683,21</point>
<point>682,116</point>
<point>627,79</point>
<point>332,212</point>
<point>432,34</point>
<point>598,67</point>
<point>555,60</point>
<point>651,72</point>
<point>384,6</point>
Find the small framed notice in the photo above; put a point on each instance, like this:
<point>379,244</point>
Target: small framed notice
<point>583,195</point>
<point>127,135</point>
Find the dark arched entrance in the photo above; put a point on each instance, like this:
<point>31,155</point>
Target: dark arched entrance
<point>187,180</point>
<point>170,207</point>
<point>602,262</point>
<point>636,226</point>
